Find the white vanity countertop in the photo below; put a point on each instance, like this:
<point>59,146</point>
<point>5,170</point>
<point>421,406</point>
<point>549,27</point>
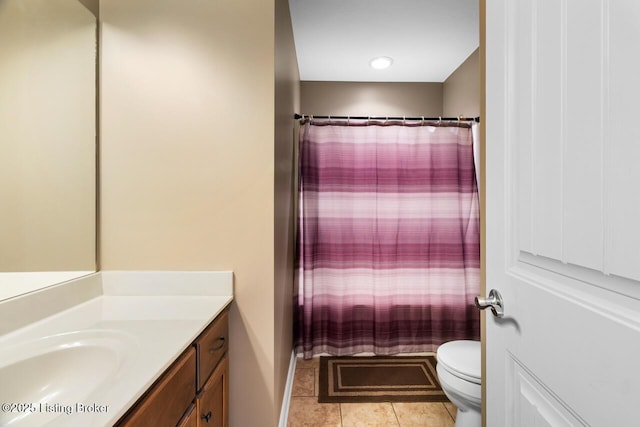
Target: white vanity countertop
<point>150,332</point>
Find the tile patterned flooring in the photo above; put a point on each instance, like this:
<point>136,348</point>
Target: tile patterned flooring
<point>305,411</point>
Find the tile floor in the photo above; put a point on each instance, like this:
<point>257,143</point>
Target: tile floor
<point>305,411</point>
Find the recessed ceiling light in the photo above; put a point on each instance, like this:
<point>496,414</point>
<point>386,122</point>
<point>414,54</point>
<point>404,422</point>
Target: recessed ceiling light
<point>381,62</point>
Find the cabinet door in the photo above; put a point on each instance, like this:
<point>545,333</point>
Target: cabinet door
<point>212,400</point>
<point>190,418</point>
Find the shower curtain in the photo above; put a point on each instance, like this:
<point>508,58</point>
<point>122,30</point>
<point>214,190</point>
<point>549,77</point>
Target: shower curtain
<point>388,237</point>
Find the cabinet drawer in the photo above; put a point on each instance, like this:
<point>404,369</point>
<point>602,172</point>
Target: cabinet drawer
<point>165,403</point>
<point>212,399</point>
<point>210,347</point>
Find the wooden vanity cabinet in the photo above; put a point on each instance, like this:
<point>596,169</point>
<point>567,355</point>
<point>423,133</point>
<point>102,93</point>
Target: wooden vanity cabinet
<point>193,391</point>
<point>166,401</point>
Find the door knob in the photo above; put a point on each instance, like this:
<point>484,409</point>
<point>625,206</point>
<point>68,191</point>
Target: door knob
<point>493,301</point>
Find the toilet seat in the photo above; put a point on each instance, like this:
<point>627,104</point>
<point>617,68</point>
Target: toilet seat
<point>462,359</point>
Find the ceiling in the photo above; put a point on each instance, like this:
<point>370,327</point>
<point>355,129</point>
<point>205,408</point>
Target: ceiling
<point>427,39</point>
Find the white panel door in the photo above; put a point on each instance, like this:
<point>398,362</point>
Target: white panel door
<point>563,212</point>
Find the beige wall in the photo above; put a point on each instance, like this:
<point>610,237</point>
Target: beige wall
<point>188,175</point>
<point>461,95</point>
<point>371,99</point>
<point>47,136</point>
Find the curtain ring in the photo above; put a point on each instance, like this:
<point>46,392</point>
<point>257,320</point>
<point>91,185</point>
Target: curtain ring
<point>422,120</point>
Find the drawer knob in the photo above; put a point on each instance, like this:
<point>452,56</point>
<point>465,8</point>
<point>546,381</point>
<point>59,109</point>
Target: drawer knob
<point>206,417</point>
<point>218,347</point>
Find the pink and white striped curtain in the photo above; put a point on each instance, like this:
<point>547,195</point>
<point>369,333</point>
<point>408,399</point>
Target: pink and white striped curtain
<point>388,237</point>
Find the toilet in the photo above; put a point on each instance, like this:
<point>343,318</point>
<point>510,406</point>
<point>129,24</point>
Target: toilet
<point>458,370</point>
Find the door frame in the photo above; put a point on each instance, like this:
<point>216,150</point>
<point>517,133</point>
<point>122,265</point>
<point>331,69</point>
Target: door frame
<point>483,222</point>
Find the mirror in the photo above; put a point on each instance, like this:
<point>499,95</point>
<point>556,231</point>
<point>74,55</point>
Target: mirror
<point>47,143</point>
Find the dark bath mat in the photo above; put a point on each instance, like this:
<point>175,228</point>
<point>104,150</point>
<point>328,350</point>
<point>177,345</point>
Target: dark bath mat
<point>379,379</point>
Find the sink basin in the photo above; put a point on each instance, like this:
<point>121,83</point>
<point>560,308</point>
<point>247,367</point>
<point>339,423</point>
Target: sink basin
<point>50,377</point>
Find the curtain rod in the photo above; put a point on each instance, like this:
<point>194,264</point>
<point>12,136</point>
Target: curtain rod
<point>461,118</point>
